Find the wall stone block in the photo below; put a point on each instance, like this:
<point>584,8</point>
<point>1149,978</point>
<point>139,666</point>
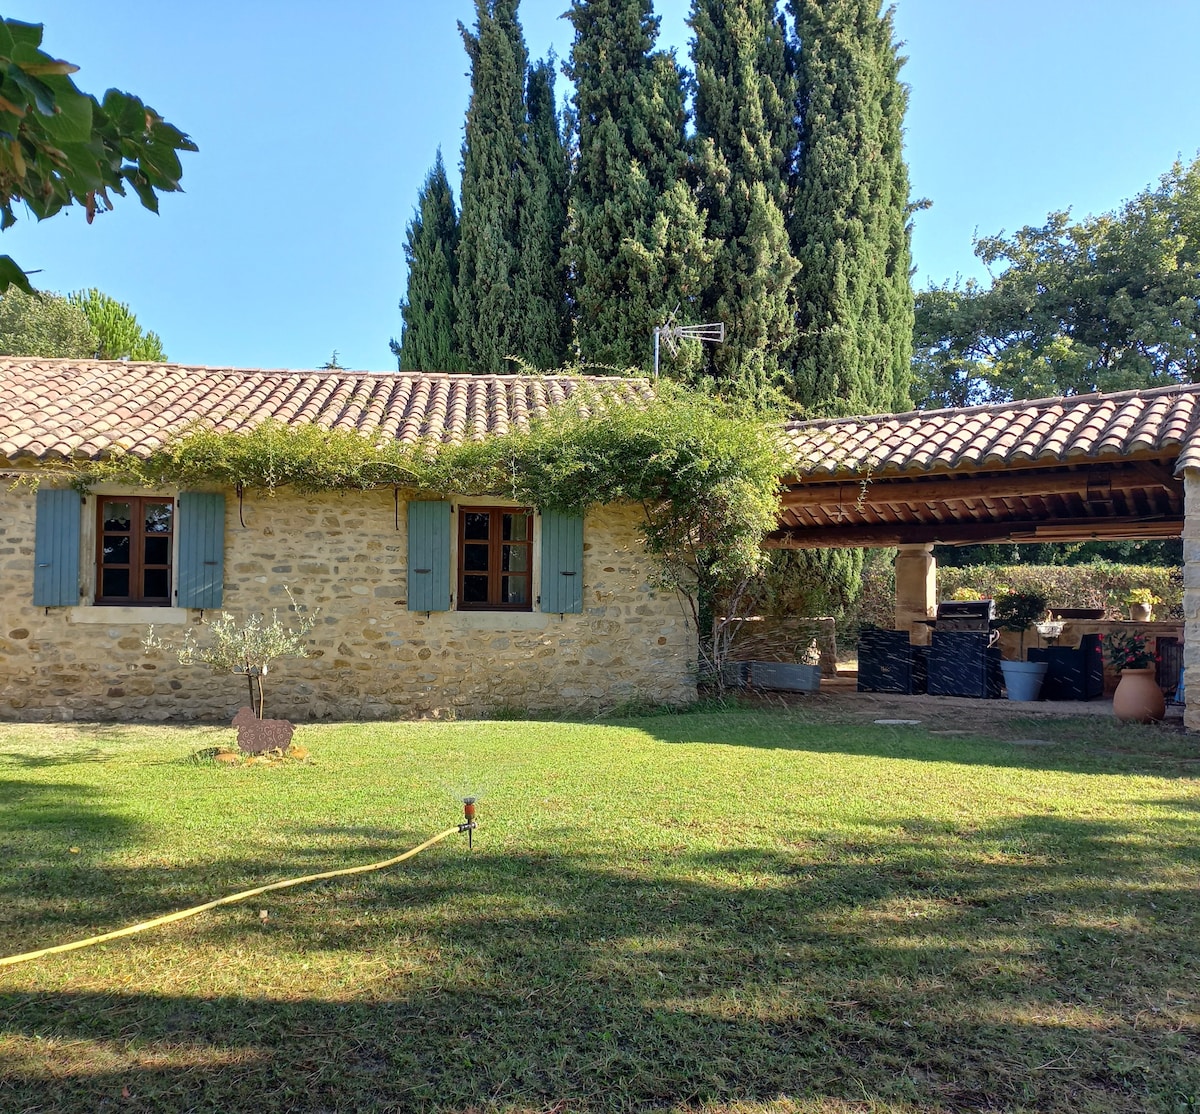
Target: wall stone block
<point>371,657</point>
<point>1191,598</point>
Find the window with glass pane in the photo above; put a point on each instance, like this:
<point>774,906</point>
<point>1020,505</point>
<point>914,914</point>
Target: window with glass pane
<point>494,559</point>
<point>135,535</point>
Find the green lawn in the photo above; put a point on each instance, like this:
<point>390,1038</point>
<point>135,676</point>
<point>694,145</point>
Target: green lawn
<point>730,911</point>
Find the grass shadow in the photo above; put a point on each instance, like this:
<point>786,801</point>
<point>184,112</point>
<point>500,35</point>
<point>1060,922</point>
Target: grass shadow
<point>1030,964</point>
<point>1076,745</point>
<point>38,761</point>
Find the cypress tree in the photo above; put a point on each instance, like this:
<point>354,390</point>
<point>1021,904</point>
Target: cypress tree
<point>849,227</point>
<point>540,280</point>
<point>427,337</point>
<point>746,133</point>
<point>636,244</point>
<point>493,162</point>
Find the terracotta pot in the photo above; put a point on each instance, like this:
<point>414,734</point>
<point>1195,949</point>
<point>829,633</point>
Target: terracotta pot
<point>1141,612</point>
<point>1138,698</point>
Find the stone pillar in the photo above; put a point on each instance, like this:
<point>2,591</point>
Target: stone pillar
<point>916,590</point>
<point>1191,598</point>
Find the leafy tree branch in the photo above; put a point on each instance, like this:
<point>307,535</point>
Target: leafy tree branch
<point>60,146</point>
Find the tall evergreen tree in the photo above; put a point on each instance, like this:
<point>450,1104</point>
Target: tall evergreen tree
<point>540,279</point>
<point>850,224</point>
<point>118,334</point>
<point>493,189</point>
<point>745,133</point>
<point>636,244</point>
<point>428,339</point>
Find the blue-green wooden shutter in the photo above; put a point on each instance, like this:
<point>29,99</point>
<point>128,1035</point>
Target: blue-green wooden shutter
<point>428,556</point>
<point>562,562</point>
<point>56,549</point>
<point>200,577</point>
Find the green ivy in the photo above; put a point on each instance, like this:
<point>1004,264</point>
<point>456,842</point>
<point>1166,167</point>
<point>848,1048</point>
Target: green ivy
<point>706,472</point>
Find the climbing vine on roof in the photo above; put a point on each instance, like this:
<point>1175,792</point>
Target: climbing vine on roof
<point>705,470</point>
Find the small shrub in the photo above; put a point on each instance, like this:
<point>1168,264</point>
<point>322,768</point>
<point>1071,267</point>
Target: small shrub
<point>1017,611</point>
<point>246,648</point>
<point>1102,584</point>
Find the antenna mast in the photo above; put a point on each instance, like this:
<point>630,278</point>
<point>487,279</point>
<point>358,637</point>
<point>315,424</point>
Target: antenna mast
<point>671,334</point>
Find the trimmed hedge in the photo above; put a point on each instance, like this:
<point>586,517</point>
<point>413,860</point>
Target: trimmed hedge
<point>1102,584</point>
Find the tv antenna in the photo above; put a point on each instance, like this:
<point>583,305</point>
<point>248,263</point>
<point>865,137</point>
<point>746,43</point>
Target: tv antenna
<point>671,334</point>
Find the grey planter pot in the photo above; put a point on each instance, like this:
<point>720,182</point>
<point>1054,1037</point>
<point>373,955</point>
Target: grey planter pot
<point>734,674</point>
<point>1023,679</point>
<point>785,676</point>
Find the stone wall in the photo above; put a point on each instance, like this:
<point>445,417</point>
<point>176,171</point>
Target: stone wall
<point>787,638</point>
<point>1191,598</point>
<point>371,657</point>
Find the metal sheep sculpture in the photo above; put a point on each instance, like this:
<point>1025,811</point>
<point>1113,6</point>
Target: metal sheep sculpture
<point>256,736</point>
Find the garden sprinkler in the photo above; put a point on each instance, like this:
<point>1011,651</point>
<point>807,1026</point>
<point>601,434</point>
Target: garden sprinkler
<point>468,824</point>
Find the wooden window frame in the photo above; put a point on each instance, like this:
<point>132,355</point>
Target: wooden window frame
<point>495,544</point>
<point>137,552</point>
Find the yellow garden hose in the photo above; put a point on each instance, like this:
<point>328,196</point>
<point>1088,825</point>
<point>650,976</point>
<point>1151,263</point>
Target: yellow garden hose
<point>169,917</point>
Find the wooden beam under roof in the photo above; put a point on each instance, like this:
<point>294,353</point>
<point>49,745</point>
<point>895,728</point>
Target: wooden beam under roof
<point>880,535</point>
<point>943,489</point>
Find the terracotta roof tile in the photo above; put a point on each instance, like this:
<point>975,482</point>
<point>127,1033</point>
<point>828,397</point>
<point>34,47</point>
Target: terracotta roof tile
<point>1160,421</point>
<point>59,409</point>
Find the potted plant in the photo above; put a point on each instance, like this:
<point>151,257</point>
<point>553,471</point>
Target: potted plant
<point>1140,602</point>
<point>1017,611</point>
<point>1138,698</point>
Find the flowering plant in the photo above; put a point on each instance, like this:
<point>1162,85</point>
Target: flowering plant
<point>1141,596</point>
<point>1128,650</point>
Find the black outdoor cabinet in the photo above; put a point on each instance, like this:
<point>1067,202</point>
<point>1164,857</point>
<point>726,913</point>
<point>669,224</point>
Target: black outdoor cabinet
<point>961,663</point>
<point>888,662</point>
<point>1073,673</point>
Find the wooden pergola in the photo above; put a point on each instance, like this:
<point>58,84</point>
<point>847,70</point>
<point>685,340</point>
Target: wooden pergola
<point>1099,500</point>
<point>1104,467</point>
<point>1097,466</point>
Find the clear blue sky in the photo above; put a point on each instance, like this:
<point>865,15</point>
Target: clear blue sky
<point>317,123</point>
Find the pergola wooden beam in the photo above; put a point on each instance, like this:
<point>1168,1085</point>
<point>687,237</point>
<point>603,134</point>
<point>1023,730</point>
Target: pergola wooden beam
<point>973,533</point>
<point>1088,483</point>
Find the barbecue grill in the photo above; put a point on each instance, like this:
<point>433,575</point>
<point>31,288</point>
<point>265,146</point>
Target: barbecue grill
<point>963,657</point>
<point>965,615</point>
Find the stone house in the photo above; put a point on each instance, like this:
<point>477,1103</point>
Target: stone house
<point>427,606</point>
